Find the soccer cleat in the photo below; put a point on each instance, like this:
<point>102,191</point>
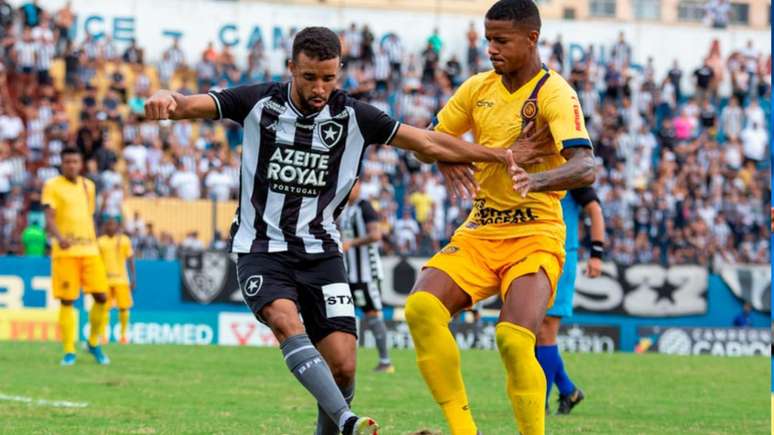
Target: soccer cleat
<point>566,403</point>
<point>360,426</point>
<point>68,359</point>
<point>101,358</point>
<point>385,368</point>
<point>123,340</point>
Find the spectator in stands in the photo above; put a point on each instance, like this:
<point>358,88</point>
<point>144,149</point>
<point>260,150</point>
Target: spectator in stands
<point>191,243</point>
<point>185,183</point>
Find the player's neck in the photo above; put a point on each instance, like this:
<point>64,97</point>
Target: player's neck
<point>516,79</point>
<point>72,179</point>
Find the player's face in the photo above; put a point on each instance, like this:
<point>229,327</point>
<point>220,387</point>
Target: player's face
<point>71,165</point>
<point>314,80</point>
<point>510,45</point>
<point>111,227</point>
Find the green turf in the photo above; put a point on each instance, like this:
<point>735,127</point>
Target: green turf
<point>179,389</point>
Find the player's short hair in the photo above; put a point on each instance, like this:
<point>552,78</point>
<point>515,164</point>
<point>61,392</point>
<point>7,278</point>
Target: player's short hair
<point>319,43</point>
<point>520,12</point>
<point>70,150</point>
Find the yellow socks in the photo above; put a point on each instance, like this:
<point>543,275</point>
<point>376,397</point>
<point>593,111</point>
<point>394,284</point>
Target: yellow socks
<point>526,383</point>
<point>123,315</point>
<point>67,327</point>
<point>438,359</point>
<point>105,320</point>
<point>96,322</point>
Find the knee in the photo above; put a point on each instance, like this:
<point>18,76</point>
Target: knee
<point>343,371</point>
<point>99,298</point>
<point>423,307</point>
<point>281,321</point>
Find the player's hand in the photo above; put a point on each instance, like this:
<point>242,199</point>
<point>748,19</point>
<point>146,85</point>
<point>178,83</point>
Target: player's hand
<point>533,146</point>
<point>132,285</point>
<point>345,245</point>
<point>594,267</point>
<point>162,105</point>
<point>459,180</point>
<point>520,178</point>
<point>64,243</point>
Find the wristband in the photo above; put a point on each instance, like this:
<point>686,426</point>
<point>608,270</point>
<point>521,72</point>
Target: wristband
<point>597,249</point>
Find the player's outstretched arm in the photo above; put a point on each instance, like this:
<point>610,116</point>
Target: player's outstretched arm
<point>437,146</point>
<point>166,104</point>
<point>577,172</point>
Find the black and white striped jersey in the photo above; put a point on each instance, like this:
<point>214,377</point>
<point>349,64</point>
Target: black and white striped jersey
<point>297,170</point>
<point>363,262</point>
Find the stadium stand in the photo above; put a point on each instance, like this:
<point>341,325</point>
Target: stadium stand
<point>684,178</point>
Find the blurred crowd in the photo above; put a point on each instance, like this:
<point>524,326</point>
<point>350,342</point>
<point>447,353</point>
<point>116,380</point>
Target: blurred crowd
<point>683,167</point>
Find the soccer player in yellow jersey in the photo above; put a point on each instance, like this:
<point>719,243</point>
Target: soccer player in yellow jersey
<point>75,262</point>
<point>512,244</point>
<point>116,251</point>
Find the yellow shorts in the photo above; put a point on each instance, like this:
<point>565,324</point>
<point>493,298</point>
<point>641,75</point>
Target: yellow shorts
<point>482,267</point>
<point>71,274</point>
<point>120,295</point>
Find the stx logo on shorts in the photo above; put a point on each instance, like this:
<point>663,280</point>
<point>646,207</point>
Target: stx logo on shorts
<point>333,300</point>
<point>253,285</point>
<point>338,300</point>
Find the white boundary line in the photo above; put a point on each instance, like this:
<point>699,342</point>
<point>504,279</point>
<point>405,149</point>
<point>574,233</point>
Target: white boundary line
<point>43,402</point>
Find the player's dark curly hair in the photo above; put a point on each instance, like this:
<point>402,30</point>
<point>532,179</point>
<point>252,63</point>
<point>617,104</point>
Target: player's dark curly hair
<point>520,12</point>
<point>319,43</point>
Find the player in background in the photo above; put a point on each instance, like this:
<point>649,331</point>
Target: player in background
<point>304,141</point>
<point>512,243</point>
<point>116,251</point>
<point>360,227</point>
<point>69,201</point>
<point>576,201</point>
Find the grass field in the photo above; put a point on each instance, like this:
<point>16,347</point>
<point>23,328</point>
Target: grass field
<point>179,389</point>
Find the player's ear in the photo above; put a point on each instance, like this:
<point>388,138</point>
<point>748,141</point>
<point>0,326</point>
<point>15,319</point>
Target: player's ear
<point>291,66</point>
<point>533,36</point>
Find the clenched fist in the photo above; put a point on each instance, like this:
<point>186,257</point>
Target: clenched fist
<point>162,105</point>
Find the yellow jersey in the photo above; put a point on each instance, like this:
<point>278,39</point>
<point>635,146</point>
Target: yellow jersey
<point>115,251</point>
<point>496,117</point>
<point>73,204</point>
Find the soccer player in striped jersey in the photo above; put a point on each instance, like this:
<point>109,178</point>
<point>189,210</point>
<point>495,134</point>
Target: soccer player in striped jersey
<point>303,143</point>
<point>360,228</point>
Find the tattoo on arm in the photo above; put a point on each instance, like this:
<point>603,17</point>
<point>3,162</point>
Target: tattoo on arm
<point>577,172</point>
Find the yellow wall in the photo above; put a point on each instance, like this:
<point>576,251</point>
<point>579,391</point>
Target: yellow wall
<point>179,217</point>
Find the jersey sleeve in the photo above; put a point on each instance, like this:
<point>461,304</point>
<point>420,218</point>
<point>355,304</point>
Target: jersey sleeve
<point>376,126</point>
<point>49,196</point>
<point>369,214</point>
<point>236,103</point>
<point>561,109</point>
<point>455,118</point>
<point>584,195</point>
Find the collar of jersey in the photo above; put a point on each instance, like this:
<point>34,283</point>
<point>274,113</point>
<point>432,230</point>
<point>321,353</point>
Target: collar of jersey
<point>295,109</point>
<point>530,83</point>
